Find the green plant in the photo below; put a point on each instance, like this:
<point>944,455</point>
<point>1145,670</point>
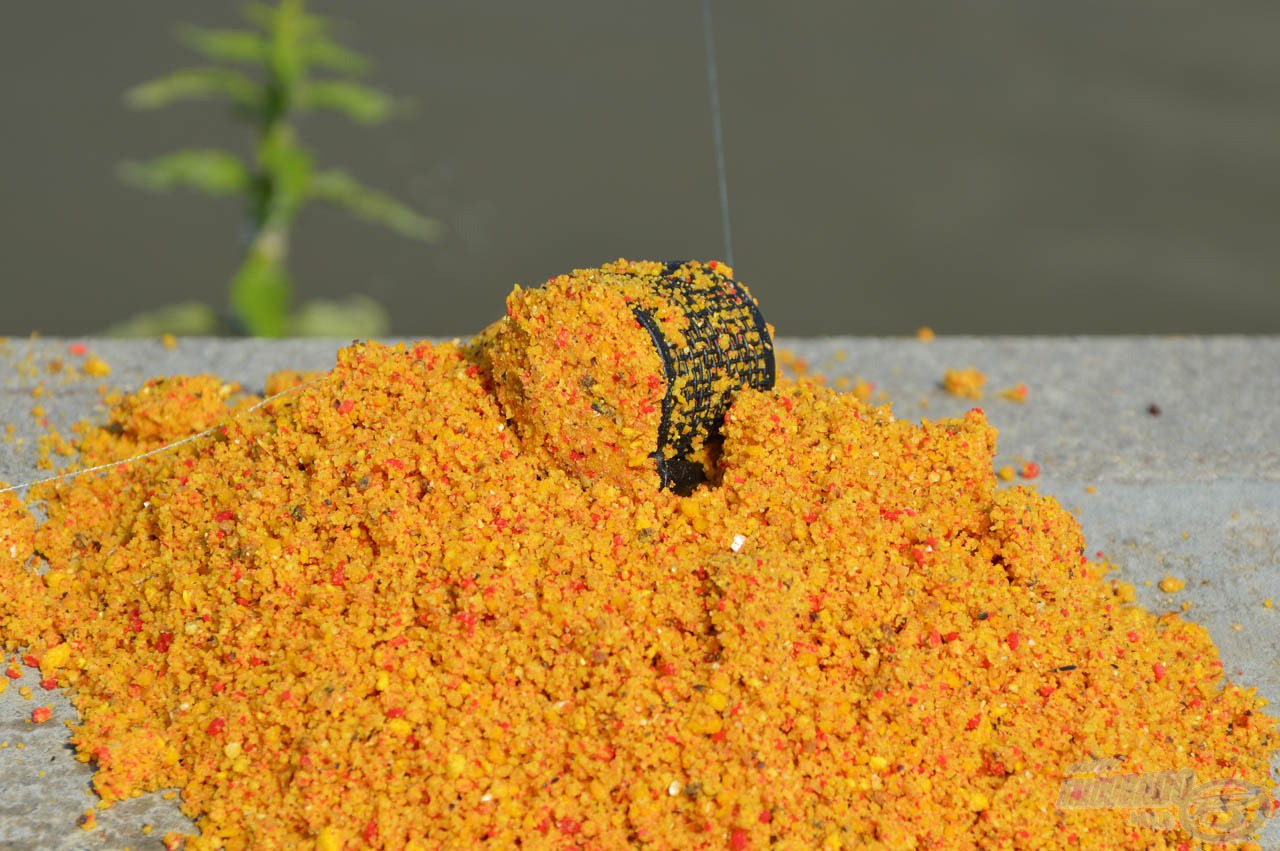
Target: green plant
<point>284,47</point>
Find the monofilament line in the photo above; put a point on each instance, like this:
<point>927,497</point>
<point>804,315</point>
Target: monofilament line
<point>717,126</point>
<point>159,449</point>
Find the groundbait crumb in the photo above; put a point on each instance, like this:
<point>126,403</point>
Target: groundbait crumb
<point>966,383</point>
<point>1016,393</point>
<point>384,611</point>
<point>96,367</point>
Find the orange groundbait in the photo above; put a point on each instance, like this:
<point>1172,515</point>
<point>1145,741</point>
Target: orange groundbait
<point>394,610</point>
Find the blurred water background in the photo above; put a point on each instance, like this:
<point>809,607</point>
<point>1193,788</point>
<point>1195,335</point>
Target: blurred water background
<point>979,167</point>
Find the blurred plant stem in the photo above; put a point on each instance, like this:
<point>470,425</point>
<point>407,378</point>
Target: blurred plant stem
<point>286,44</point>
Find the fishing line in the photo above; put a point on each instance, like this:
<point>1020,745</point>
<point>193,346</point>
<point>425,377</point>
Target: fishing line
<point>717,126</point>
<point>166,447</point>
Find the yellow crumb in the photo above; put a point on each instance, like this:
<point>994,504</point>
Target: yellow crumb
<point>925,334</point>
<point>55,657</point>
<point>96,367</point>
<point>1268,603</point>
<point>329,839</point>
<point>966,383</point>
<point>1170,585</point>
<point>1016,393</point>
<point>169,341</point>
<point>1006,473</point>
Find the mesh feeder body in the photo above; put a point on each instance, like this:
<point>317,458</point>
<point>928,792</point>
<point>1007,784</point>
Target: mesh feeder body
<point>726,346</point>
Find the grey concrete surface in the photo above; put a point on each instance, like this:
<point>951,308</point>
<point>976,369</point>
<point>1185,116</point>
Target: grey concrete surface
<point>1193,491</point>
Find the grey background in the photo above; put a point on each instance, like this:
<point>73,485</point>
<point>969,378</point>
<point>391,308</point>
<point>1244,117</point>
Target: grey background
<point>981,167</point>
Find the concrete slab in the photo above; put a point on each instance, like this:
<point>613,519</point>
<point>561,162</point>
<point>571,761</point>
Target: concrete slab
<point>1193,490</point>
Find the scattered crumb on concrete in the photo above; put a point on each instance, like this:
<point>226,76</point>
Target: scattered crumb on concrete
<point>965,383</point>
<point>1016,393</point>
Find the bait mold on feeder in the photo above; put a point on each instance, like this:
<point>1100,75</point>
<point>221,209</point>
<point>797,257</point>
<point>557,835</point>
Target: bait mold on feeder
<point>629,367</point>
